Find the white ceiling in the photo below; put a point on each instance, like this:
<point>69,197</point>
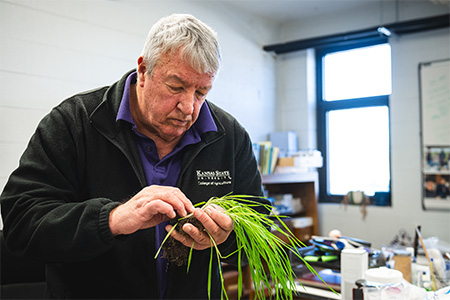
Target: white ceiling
<point>288,10</point>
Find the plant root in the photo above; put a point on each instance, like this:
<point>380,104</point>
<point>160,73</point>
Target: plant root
<point>174,251</point>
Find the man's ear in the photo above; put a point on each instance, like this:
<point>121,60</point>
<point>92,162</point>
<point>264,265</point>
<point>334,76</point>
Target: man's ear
<point>142,69</point>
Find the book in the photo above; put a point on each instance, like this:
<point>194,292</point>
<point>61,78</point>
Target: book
<point>274,159</point>
<point>266,156</point>
<point>256,149</point>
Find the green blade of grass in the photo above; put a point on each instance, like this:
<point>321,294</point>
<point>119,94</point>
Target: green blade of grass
<point>190,257</point>
<point>166,237</point>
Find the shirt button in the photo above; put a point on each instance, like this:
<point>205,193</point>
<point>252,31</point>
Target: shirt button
<point>148,148</point>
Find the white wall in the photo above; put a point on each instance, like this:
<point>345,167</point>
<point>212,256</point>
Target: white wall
<point>51,49</point>
<point>381,223</point>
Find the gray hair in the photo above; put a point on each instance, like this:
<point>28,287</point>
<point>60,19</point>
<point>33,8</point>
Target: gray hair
<point>181,32</point>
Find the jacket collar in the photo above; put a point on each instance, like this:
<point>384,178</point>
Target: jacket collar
<point>104,116</point>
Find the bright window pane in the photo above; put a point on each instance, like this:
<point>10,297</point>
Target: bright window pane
<point>358,157</point>
<point>362,72</point>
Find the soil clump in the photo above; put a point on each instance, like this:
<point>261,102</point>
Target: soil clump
<point>174,251</point>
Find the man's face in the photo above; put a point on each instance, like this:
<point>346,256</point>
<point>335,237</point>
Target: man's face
<point>169,100</point>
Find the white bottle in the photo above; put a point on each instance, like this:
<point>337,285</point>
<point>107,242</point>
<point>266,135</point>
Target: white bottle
<point>354,263</point>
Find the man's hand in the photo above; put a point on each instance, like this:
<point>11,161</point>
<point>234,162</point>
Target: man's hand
<point>215,222</point>
<point>151,206</point>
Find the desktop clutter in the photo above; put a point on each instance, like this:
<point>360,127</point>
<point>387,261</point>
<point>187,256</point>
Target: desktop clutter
<point>407,269</point>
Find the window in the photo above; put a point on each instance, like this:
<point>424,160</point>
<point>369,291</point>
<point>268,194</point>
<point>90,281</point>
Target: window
<point>353,88</point>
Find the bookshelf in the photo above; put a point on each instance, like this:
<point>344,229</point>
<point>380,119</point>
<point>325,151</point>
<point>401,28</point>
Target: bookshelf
<point>300,185</point>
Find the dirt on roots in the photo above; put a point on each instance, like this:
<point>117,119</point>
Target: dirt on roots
<point>174,251</point>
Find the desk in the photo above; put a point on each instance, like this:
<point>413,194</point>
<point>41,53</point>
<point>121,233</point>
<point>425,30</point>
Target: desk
<point>309,292</point>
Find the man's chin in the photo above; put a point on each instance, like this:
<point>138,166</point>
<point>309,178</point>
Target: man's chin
<point>173,134</point>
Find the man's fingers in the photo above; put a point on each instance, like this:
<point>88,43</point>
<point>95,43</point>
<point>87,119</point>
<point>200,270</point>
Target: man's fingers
<point>178,200</point>
<point>159,207</point>
<point>199,236</point>
<point>214,220</point>
<point>195,236</point>
<point>182,238</point>
<point>149,207</point>
<point>173,196</point>
<point>217,227</point>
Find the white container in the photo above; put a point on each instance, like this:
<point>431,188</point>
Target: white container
<point>302,222</point>
<point>383,284</point>
<point>286,141</point>
<point>354,263</point>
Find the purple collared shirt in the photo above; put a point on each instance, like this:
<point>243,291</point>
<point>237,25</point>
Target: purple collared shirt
<point>163,171</point>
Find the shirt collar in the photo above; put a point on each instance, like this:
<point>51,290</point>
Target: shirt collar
<point>124,112</point>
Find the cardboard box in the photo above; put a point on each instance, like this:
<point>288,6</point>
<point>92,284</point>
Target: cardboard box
<point>303,161</point>
<point>303,234</point>
<point>302,228</point>
<point>286,161</point>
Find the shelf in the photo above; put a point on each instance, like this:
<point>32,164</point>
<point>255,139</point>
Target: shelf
<point>290,178</point>
<point>300,185</point>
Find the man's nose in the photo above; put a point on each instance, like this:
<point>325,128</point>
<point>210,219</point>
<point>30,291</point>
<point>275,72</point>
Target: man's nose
<point>186,103</point>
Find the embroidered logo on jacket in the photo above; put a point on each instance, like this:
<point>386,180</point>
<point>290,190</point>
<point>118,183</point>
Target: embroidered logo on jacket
<point>213,177</point>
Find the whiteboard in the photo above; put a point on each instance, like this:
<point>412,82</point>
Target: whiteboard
<point>435,102</point>
<point>435,133</point>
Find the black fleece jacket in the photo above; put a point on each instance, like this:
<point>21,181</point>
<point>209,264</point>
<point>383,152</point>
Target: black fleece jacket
<point>78,166</point>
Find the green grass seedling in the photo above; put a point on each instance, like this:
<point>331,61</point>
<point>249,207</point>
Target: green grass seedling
<point>258,244</point>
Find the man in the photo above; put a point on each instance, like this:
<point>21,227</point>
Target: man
<point>107,168</point>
